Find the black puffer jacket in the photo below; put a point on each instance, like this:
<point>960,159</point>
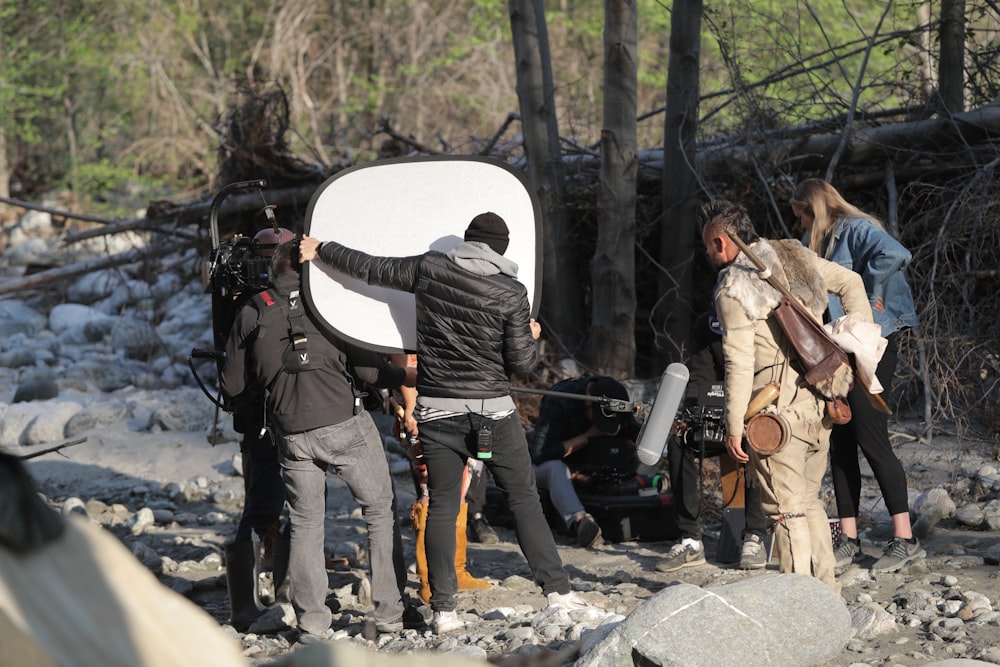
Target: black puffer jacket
<point>472,330</point>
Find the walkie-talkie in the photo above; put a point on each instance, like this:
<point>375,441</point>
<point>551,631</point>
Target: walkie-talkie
<point>484,442</point>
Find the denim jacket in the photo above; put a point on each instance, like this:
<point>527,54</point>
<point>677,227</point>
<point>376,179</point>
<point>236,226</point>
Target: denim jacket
<point>879,259</point>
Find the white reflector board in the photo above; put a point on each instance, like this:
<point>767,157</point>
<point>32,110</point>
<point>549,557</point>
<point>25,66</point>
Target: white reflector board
<point>405,207</point>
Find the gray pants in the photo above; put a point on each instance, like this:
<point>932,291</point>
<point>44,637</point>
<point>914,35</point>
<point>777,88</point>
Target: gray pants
<point>353,450</point>
<point>553,477</point>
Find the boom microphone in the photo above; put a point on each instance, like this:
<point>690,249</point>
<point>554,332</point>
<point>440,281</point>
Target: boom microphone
<point>656,429</point>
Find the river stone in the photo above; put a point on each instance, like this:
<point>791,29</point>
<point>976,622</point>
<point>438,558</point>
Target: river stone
<point>680,626</point>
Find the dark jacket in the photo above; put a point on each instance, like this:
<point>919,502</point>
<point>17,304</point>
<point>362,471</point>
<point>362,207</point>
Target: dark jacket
<point>560,419</point>
<point>707,364</point>
<point>472,326</point>
<point>320,391</point>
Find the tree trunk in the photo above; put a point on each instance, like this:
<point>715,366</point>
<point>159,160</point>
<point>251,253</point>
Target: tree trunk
<point>679,225</point>
<point>4,165</point>
<point>613,268</point>
<point>561,308</point>
<point>951,72</point>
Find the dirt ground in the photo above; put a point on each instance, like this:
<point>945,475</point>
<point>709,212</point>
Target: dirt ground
<point>616,576</point>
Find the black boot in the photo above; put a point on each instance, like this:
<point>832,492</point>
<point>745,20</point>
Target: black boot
<point>279,569</point>
<point>242,567</point>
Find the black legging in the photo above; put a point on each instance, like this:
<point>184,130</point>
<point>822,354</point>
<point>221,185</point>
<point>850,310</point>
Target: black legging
<point>869,430</point>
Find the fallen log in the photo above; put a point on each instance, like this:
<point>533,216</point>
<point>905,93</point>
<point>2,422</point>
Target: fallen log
<point>57,212</point>
<point>86,266</point>
<point>296,198</point>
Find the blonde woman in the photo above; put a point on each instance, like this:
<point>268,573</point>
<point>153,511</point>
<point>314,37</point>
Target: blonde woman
<point>842,233</point>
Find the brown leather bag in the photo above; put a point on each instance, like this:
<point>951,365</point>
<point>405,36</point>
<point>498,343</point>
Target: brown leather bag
<point>827,367</point>
<point>838,410</point>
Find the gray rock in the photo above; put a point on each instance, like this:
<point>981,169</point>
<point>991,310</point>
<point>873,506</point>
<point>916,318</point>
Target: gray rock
<point>991,515</point>
<point>74,505</point>
<point>91,287</point>
<point>870,620</point>
<point>17,318</point>
<point>76,324</point>
<point>970,515</point>
<point>19,357</point>
<point>142,520</point>
<point>132,295</point>
<point>14,419</point>
<point>680,625</point>
<point>107,374</point>
<point>932,507</point>
<point>274,619</point>
<point>38,388</point>
<point>192,413</point>
<point>146,555</point>
<point>135,337</point>
<point>96,415</point>
<point>50,426</point>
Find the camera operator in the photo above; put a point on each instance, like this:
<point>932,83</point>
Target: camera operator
<point>559,441</point>
<point>321,425</point>
<point>262,484</point>
<point>697,441</point>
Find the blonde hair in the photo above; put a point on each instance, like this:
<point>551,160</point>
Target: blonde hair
<point>827,207</point>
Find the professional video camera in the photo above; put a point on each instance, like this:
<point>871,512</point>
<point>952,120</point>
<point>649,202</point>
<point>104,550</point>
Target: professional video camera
<point>607,460</point>
<point>701,428</point>
<point>627,505</point>
<point>605,464</point>
<point>231,269</point>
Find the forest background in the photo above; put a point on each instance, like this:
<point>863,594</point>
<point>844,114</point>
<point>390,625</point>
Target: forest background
<point>624,115</point>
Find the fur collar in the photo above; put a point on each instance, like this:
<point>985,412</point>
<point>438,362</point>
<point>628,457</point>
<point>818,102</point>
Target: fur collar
<point>791,263</point>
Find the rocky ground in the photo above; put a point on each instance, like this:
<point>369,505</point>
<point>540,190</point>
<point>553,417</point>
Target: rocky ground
<point>104,358</point>
<point>174,501</point>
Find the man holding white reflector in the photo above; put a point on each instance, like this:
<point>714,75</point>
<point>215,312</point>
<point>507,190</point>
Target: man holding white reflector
<point>473,330</point>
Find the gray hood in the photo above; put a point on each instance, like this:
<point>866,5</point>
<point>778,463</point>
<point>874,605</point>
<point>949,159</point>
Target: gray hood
<point>477,257</point>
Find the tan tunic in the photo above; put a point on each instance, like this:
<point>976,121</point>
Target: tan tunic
<point>84,600</point>
<point>755,347</point>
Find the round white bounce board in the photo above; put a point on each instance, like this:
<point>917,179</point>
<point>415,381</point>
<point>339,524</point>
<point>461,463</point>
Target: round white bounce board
<point>404,207</point>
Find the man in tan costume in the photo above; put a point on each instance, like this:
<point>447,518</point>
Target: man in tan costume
<point>757,353</point>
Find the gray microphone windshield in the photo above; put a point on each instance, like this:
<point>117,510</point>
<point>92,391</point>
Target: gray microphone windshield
<point>656,429</point>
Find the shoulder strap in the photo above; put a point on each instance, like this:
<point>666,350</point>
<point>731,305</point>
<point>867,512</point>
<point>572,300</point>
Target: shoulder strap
<point>298,358</point>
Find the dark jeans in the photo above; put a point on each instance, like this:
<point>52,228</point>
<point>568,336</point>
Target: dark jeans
<point>447,444</point>
<point>476,495</point>
<point>262,484</point>
<point>869,431</point>
<point>684,475</point>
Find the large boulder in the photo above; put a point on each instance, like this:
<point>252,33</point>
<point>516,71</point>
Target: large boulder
<point>773,619</point>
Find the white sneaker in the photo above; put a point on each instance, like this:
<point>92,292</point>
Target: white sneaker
<point>446,621</point>
<point>568,601</point>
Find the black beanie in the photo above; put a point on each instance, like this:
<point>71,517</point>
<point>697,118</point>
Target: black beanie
<point>489,228</point>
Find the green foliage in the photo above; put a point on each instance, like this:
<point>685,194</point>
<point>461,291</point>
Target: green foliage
<point>147,82</point>
<point>793,63</point>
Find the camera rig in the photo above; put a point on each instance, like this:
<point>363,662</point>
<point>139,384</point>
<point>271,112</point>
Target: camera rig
<point>609,404</point>
<point>607,464</point>
<point>231,271</point>
<point>701,428</point>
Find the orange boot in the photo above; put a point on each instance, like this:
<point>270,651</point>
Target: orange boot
<point>418,515</point>
<point>466,582</point>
